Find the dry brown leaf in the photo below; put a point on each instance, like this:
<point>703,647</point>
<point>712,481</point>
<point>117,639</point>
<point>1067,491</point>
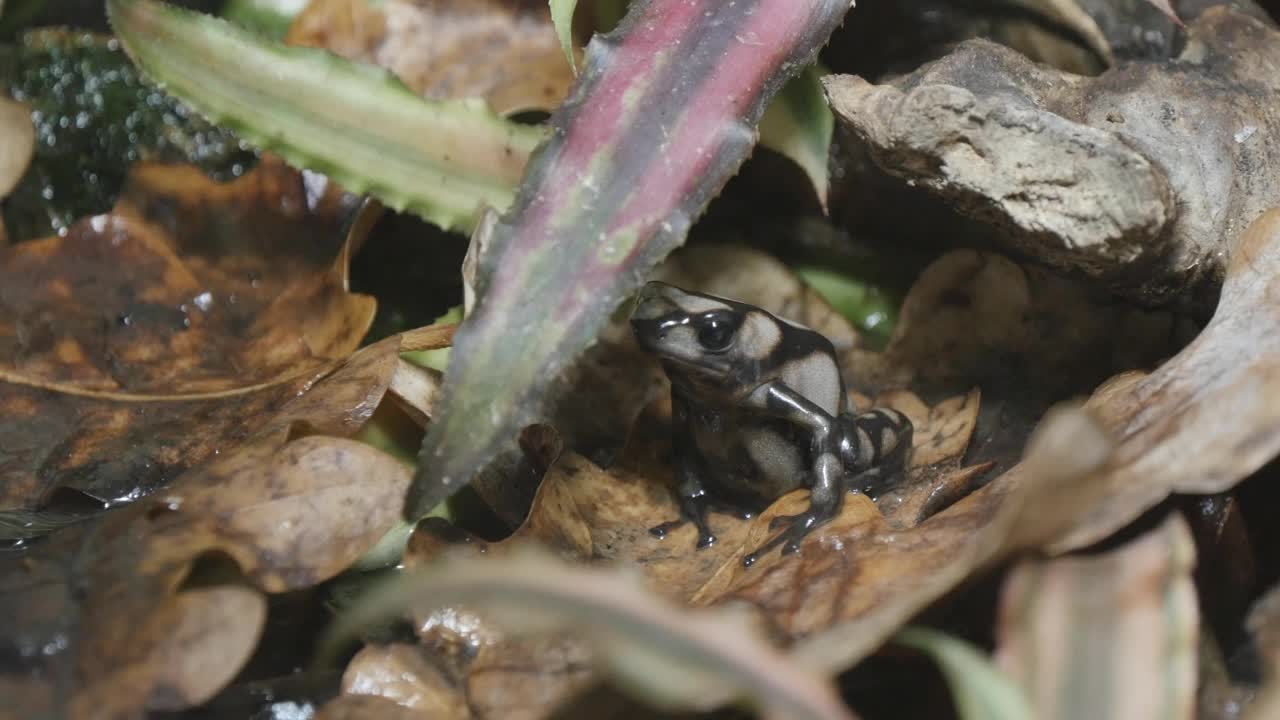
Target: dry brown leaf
<point>367,707</point>
<point>890,575</point>
<point>505,51</point>
<point>1107,636</point>
<point>102,612</point>
<point>1210,416</point>
<point>1026,337</point>
<point>404,675</point>
<point>151,338</point>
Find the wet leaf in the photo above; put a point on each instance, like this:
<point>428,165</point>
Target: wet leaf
<point>980,690</point>
<point>442,160</point>
<point>110,613</point>
<point>148,340</point>
<point>1107,636</point>
<point>668,657</point>
<point>596,212</point>
<point>431,45</point>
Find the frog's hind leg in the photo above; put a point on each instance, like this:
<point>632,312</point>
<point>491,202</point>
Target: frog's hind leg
<point>876,446</point>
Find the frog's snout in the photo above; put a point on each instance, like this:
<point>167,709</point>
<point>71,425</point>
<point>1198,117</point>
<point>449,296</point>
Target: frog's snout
<point>652,304</point>
<point>654,301</point>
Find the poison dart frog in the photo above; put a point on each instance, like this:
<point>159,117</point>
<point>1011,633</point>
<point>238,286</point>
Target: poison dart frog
<point>758,410</point>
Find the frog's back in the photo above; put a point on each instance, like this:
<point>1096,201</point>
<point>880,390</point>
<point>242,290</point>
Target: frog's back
<point>806,363</point>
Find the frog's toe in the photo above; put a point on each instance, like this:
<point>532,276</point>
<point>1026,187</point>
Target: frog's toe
<point>705,537</point>
<point>782,521</point>
<point>797,528</point>
<point>662,530</point>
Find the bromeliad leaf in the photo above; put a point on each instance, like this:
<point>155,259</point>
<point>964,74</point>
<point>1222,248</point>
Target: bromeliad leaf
<point>357,124</point>
<point>661,116</point>
<point>799,125</point>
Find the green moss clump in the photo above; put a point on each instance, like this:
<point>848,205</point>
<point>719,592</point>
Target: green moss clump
<point>95,117</point>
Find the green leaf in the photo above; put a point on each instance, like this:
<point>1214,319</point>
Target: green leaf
<point>562,18</point>
<point>799,125</point>
<point>868,306</point>
<point>981,691</point>
<point>443,160</point>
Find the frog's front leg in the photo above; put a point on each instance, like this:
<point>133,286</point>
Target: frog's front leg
<point>825,496</point>
<point>695,501</point>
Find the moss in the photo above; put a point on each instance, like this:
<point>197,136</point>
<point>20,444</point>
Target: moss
<point>95,117</point>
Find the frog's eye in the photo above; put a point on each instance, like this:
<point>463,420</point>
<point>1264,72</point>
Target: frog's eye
<point>716,331</point>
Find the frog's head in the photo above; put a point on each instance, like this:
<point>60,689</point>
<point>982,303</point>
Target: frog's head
<point>703,337</point>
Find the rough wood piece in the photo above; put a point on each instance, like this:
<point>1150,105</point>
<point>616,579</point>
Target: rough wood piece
<point>1142,178</point>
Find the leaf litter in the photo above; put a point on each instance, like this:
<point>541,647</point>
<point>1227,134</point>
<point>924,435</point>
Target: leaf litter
<point>159,604</point>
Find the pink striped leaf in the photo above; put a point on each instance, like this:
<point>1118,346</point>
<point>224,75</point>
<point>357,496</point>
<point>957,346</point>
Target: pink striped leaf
<point>664,111</point>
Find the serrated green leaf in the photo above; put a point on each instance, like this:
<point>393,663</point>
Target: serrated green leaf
<point>443,160</point>
<point>562,18</point>
<point>980,690</point>
<point>799,125</point>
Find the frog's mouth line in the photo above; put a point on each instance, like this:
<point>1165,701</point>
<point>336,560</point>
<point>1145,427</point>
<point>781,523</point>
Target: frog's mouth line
<point>691,365</point>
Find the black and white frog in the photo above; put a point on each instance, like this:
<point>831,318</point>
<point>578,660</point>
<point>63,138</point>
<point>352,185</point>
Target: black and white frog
<point>759,409</point>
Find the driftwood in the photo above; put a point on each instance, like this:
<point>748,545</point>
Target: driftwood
<point>1142,178</point>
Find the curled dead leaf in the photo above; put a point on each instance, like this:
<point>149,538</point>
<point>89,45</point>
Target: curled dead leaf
<point>1208,417</point>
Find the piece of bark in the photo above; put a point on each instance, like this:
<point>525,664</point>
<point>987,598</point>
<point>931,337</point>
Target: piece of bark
<point>1141,178</point>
